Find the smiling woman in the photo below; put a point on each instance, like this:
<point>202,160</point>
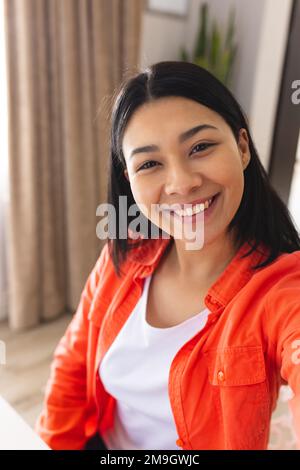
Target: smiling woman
<point>179,137</point>
<point>185,173</point>
<point>182,349</point>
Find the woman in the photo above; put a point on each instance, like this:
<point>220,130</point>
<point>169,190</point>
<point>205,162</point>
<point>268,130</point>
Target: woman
<point>173,347</point>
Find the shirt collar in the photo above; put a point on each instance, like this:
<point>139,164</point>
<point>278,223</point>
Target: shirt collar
<point>235,276</point>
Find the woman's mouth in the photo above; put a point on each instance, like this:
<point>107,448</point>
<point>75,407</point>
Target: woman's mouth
<point>191,214</point>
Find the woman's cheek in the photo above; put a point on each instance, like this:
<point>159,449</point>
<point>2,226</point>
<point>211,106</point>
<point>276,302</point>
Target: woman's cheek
<point>142,199</point>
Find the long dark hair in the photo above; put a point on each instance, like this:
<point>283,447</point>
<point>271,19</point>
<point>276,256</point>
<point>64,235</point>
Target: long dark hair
<point>262,216</point>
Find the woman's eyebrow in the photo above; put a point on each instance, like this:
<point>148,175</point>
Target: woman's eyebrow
<point>181,138</point>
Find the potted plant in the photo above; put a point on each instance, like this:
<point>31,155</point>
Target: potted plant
<point>211,52</point>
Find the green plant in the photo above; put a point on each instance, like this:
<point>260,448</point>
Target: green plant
<point>210,51</point>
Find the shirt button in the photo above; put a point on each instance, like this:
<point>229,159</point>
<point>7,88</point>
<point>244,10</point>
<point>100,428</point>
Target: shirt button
<point>221,376</point>
<point>179,442</point>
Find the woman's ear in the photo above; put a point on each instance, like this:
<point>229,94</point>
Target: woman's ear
<point>126,174</point>
<point>244,148</point>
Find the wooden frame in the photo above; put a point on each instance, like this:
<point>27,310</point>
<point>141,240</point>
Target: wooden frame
<point>287,123</point>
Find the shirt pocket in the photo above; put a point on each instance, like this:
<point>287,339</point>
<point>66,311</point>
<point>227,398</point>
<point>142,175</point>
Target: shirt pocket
<point>237,376</point>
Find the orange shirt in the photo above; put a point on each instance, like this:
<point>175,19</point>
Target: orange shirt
<point>223,382</point>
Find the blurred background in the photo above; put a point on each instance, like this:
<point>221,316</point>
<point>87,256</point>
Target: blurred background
<point>60,64</point>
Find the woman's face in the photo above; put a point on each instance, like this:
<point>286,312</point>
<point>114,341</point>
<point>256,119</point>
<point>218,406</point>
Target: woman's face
<point>173,170</point>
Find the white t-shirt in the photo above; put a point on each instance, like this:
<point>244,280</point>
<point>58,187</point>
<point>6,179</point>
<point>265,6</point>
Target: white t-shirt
<point>135,370</point>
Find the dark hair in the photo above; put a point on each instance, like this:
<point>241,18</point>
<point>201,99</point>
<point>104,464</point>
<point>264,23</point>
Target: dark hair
<point>262,217</point>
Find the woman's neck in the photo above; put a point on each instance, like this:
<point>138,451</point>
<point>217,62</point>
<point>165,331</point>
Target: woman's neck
<point>203,265</point>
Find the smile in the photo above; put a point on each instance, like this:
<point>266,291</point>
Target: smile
<point>190,209</point>
<point>195,209</point>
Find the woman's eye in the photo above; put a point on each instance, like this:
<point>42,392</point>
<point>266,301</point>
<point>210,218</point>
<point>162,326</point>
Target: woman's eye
<point>145,167</point>
<point>203,144</point>
<point>201,147</point>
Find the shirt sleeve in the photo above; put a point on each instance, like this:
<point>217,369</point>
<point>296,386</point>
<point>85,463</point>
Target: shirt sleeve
<point>61,422</point>
<point>283,308</point>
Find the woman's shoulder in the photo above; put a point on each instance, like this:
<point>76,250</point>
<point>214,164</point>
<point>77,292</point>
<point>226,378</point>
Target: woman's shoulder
<point>282,301</point>
<point>105,271</point>
<point>283,268</point>
<point>283,277</point>
<point>287,262</point>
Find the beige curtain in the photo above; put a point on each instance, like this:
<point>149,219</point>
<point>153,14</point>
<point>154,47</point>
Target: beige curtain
<point>65,58</point>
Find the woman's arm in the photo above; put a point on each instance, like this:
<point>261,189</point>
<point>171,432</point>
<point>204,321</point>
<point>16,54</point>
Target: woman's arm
<point>290,371</point>
<point>61,423</point>
<point>283,324</point>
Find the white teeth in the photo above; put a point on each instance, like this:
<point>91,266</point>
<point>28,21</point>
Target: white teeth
<point>195,209</point>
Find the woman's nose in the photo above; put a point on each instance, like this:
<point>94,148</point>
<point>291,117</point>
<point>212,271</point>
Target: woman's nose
<point>182,180</point>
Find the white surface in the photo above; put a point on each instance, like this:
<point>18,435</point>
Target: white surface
<point>135,370</point>
<point>294,197</point>
<point>15,434</point>
<point>270,56</point>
